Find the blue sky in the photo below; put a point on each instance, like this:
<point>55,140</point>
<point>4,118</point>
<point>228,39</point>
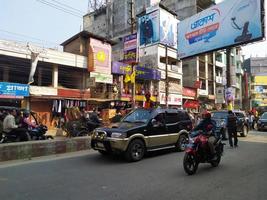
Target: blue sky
<point>46,26</point>
<point>37,20</point>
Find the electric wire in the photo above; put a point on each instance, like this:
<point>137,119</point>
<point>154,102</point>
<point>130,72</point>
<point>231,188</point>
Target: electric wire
<point>67,6</point>
<point>60,8</point>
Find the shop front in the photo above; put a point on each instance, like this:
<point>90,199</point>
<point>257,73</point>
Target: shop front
<point>14,94</point>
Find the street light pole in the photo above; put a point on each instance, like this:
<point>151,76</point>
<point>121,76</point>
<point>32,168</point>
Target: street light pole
<point>166,78</point>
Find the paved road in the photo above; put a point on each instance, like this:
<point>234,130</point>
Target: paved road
<point>241,175</point>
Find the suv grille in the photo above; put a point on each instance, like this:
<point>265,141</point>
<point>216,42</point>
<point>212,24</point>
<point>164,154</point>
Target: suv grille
<point>101,135</point>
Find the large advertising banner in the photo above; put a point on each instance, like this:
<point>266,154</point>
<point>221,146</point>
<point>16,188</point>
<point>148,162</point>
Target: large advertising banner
<point>230,23</point>
<point>99,58</point>
<point>168,29</point>
<point>148,28</point>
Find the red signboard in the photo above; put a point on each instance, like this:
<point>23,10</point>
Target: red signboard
<point>189,92</point>
<point>72,93</point>
<point>194,104</point>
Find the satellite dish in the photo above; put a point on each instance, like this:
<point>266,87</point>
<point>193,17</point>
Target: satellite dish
<point>240,19</point>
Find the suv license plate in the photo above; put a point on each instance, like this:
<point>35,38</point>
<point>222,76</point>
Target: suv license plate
<point>99,144</point>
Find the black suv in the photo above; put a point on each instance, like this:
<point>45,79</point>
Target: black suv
<point>221,118</point>
<point>144,130</point>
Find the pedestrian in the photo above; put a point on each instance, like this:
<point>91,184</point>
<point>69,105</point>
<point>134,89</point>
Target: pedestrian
<point>251,119</point>
<point>231,127</point>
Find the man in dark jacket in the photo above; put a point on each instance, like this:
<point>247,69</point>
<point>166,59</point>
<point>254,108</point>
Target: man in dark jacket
<point>231,127</point>
<point>208,126</point>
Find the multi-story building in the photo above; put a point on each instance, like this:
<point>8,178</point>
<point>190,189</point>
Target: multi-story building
<point>61,80</point>
<point>256,71</point>
<point>111,22</point>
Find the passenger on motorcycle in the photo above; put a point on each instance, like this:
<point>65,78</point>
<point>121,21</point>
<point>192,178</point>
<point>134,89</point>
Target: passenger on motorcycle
<point>208,126</point>
<point>26,122</point>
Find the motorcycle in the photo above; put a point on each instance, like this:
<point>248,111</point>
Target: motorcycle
<point>37,133</point>
<point>80,128</point>
<point>197,151</point>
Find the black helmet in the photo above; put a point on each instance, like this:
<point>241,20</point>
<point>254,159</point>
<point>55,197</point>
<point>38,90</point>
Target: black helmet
<point>26,113</point>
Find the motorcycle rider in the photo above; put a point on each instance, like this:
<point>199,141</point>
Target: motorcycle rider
<point>208,126</point>
<point>10,126</point>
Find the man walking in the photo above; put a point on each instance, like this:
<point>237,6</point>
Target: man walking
<point>232,126</point>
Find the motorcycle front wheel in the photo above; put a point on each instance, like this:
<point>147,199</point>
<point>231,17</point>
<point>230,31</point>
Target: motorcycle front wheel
<point>190,164</point>
<point>216,162</point>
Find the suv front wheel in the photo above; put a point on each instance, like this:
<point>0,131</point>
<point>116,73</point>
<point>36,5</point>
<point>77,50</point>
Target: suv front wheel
<point>181,143</point>
<point>135,150</point>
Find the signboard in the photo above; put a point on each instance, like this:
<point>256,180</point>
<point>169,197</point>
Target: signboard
<point>146,73</point>
<point>220,95</point>
<point>148,30</point>
<point>229,23</point>
<point>102,78</point>
<point>40,91</point>
<point>189,92</point>
<point>173,99</point>
<point>99,58</point>
<point>121,68</point>
<point>168,29</point>
<point>14,89</point>
<point>91,82</point>
<point>230,94</point>
<point>129,49</point>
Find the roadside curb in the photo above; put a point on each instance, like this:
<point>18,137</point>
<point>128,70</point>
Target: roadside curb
<point>28,150</point>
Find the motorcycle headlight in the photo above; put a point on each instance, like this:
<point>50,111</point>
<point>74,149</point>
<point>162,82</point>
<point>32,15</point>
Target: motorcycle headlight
<point>118,135</point>
<point>191,140</point>
<point>222,123</point>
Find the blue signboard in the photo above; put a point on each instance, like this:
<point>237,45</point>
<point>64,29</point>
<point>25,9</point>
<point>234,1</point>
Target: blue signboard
<point>14,89</point>
<point>230,23</point>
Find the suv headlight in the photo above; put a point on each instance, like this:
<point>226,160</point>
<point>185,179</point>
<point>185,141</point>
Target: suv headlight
<point>118,135</point>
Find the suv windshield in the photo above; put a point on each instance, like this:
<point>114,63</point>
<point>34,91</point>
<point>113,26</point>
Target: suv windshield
<point>219,115</point>
<point>140,115</point>
<point>264,115</point>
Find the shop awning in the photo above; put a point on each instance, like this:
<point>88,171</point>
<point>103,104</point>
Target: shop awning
<point>194,104</point>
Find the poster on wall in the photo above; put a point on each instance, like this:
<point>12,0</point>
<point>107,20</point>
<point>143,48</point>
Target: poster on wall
<point>229,23</point>
<point>148,28</point>
<point>168,29</point>
<point>99,58</point>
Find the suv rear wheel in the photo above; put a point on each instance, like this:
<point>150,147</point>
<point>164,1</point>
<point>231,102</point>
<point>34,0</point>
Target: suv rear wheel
<point>135,150</point>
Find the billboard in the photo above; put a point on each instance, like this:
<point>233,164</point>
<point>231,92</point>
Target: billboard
<point>148,27</point>
<point>168,29</point>
<point>230,23</point>
<point>99,57</point>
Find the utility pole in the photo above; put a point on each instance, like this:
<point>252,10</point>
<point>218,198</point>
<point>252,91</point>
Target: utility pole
<point>166,78</point>
<point>131,21</point>
<point>228,69</point>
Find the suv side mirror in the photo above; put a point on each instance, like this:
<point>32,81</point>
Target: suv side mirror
<point>154,123</point>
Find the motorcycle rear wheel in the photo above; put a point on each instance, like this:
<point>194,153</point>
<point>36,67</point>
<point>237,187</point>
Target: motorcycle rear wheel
<point>190,164</point>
